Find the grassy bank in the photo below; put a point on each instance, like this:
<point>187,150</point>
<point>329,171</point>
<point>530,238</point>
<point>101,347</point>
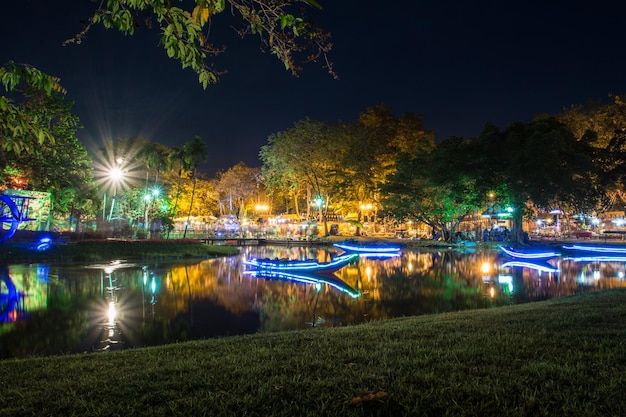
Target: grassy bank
<point>559,357</point>
<point>106,250</point>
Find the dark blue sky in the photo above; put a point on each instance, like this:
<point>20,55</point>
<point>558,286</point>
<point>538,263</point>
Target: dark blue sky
<point>460,64</point>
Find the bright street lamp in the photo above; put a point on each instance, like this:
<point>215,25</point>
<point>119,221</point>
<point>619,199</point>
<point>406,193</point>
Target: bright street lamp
<point>116,175</point>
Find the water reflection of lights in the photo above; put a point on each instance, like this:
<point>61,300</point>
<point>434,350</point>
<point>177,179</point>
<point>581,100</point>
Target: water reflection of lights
<point>317,280</point>
<point>153,284</point>
<point>593,277</point>
<point>506,280</point>
<point>110,310</point>
<point>389,286</point>
<point>9,299</point>
<point>485,267</point>
<point>112,313</point>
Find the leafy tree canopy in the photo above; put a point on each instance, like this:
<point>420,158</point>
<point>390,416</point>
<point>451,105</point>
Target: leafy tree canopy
<point>185,28</point>
<point>540,162</point>
<point>602,119</point>
<point>24,119</point>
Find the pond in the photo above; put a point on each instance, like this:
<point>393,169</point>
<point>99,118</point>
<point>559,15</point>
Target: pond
<point>46,310</point>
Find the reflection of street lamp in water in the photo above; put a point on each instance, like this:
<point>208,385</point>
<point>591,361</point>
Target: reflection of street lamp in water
<point>110,309</point>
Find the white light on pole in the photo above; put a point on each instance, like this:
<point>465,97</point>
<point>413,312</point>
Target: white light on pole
<point>115,175</point>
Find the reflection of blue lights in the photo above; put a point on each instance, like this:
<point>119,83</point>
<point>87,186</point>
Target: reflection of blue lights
<point>529,255</point>
<point>315,280</point>
<point>543,267</point>
<point>8,301</point>
<point>153,285</point>
<point>506,280</point>
<point>42,272</point>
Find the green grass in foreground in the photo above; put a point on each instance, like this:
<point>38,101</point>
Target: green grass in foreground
<point>90,251</point>
<point>564,357</point>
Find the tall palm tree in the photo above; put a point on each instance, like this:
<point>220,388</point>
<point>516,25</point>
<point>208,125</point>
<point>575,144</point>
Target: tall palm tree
<point>194,151</point>
<point>155,156</point>
<point>159,159</point>
<point>177,160</point>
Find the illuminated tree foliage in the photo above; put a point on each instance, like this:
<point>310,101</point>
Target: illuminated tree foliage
<point>39,148</point>
<point>344,164</point>
<point>195,151</point>
<point>205,201</point>
<point>185,27</point>
<point>305,156</point>
<point>539,163</point>
<point>435,186</point>
<point>602,126</point>
<point>237,188</point>
<point>601,119</point>
<point>25,122</point>
<point>371,147</point>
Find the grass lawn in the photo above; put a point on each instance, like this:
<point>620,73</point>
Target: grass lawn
<point>107,250</point>
<point>563,357</point>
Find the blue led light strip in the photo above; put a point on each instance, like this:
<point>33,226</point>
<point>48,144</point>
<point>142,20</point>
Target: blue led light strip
<point>367,249</point>
<point>600,249</point>
<point>530,265</point>
<point>529,255</point>
<point>308,265</point>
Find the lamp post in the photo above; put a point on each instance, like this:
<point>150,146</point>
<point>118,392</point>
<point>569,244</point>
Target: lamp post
<point>319,203</point>
<point>115,174</point>
<point>366,209</point>
<point>148,199</point>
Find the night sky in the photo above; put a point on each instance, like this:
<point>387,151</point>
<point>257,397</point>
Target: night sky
<point>460,64</point>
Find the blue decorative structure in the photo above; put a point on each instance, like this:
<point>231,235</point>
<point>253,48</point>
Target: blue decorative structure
<point>537,265</point>
<point>529,255</point>
<point>595,249</point>
<point>309,265</point>
<point>13,211</point>
<point>367,247</point>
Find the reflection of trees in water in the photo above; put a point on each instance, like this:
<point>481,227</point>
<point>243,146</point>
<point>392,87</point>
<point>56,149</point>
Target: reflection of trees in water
<point>573,278</point>
<point>59,328</point>
<point>305,305</point>
<point>419,283</point>
<point>213,297</point>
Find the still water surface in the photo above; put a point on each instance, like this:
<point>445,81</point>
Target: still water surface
<point>48,310</point>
